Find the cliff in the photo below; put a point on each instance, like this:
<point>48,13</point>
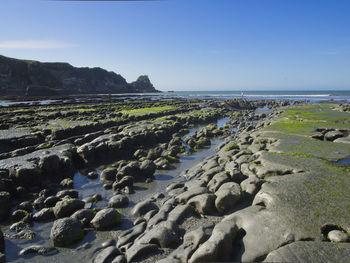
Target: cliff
<point>33,78</point>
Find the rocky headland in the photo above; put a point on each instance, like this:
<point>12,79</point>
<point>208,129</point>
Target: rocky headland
<point>28,78</point>
<point>105,182</point>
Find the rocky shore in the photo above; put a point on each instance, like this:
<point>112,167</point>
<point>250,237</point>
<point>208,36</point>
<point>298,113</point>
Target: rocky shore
<point>275,187</point>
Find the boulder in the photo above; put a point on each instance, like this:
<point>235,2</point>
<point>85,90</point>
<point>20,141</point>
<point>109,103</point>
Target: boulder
<point>44,215</point>
<point>217,181</point>
<point>84,215</point>
<point>227,196</point>
<point>106,218</point>
<point>219,246</point>
<point>68,206</point>
<point>66,231</point>
<point>204,203</point>
<point>164,234</point>
<point>141,208</point>
<point>106,255</point>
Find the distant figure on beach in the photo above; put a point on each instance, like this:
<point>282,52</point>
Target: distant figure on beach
<point>242,94</point>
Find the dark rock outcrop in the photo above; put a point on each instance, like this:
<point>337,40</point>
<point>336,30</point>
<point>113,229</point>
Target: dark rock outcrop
<point>32,78</point>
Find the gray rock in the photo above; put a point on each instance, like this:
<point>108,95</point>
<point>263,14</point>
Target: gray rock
<point>129,235</point>
<point>19,226</point>
<point>165,234</point>
<point>66,207</point>
<point>38,249</point>
<point>147,168</point>
<point>126,181</point>
<point>141,208</point>
<point>191,242</point>
<point>310,251</point>
<point>106,218</point>
<point>119,259</point>
<point>66,231</point>
<point>67,183</point>
<point>44,215</point>
<point>332,135</point>
<point>217,181</point>
<point>118,201</point>
<point>84,215</point>
<point>204,203</point>
<point>173,186</point>
<point>227,196</point>
<point>337,236</point>
<point>219,246</point>
<point>108,175</point>
<point>106,255</point>
<point>70,192</point>
<point>140,250</point>
<point>51,201</point>
<point>185,196</point>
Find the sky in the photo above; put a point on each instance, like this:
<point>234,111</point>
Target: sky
<point>189,44</point>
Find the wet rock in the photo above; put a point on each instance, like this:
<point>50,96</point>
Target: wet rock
<point>92,175</point>
<point>184,197</point>
<point>39,203</point>
<point>71,193</point>
<point>227,196</point>
<point>147,168</point>
<point>106,255</point>
<point>108,243</point>
<point>51,201</point>
<point>67,183</point>
<point>217,181</point>
<point>219,246</point>
<point>38,249</point>
<point>129,235</point>
<point>165,234</point>
<point>44,215</point>
<point>118,201</point>
<point>173,186</point>
<point>84,215</point>
<point>106,218</point>
<point>18,215</point>
<point>26,205</point>
<point>204,203</point>
<point>68,206</point>
<point>124,182</point>
<point>5,205</point>
<point>150,214</point>
<point>332,135</point>
<point>2,258</point>
<point>140,250</point>
<point>108,175</point>
<point>119,259</point>
<point>19,226</point>
<point>66,231</point>
<point>338,236</point>
<point>141,208</point>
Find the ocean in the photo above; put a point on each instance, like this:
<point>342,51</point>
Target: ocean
<point>306,95</point>
<point>312,96</point>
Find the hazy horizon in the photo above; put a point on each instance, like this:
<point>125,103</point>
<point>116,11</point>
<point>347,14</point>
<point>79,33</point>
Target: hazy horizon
<point>189,44</point>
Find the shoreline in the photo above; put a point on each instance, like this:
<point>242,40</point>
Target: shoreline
<point>222,200</point>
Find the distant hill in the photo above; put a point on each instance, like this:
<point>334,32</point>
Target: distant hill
<point>32,78</point>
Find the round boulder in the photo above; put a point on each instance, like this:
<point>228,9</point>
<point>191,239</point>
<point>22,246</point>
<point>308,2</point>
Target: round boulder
<point>106,218</point>
<point>66,231</point>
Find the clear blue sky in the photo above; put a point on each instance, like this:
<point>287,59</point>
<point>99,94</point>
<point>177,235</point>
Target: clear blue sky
<point>190,44</point>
